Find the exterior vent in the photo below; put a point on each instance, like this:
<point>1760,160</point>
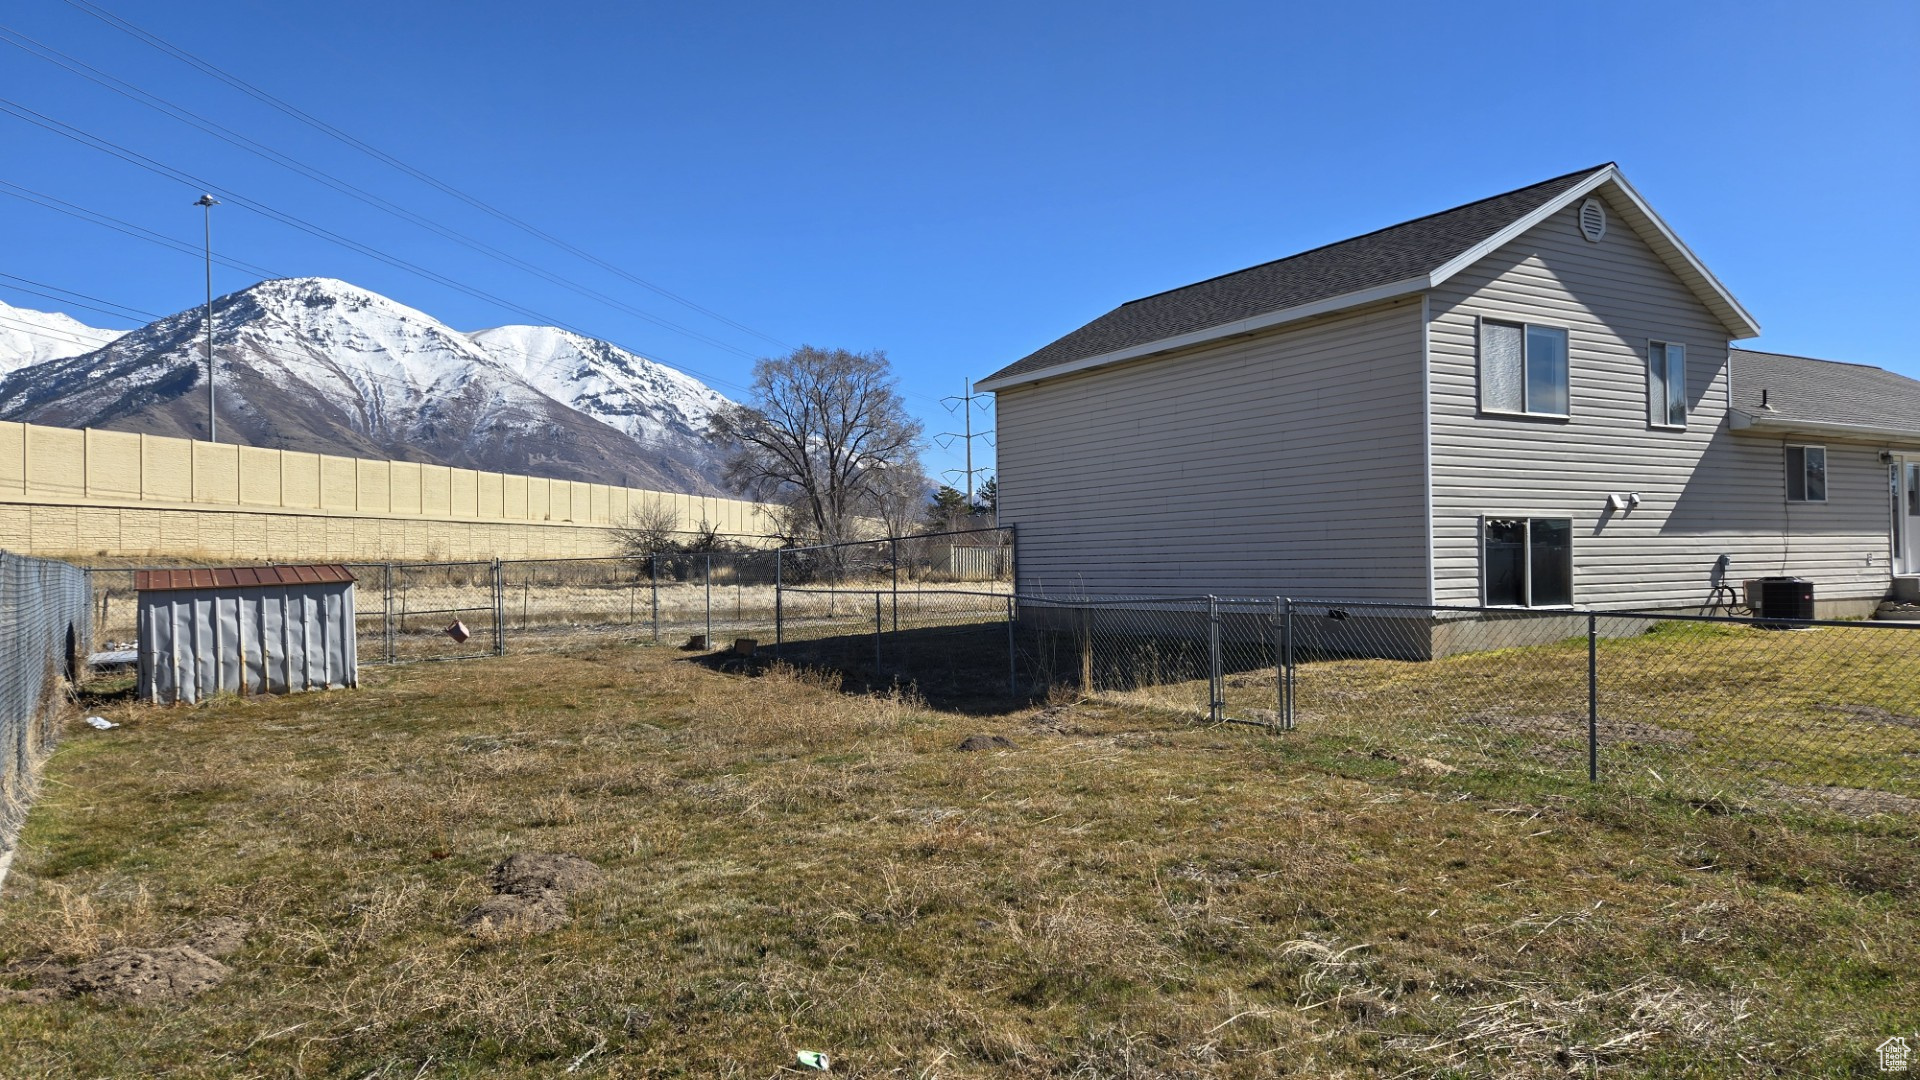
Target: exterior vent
<point>1593,220</point>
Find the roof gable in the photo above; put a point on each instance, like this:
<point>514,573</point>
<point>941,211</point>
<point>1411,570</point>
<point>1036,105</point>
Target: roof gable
<point>1410,257</point>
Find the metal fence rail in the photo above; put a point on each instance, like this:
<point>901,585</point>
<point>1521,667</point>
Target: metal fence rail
<point>1820,713</point>
<point>414,611</point>
<point>45,633</point>
<point>1823,713</point>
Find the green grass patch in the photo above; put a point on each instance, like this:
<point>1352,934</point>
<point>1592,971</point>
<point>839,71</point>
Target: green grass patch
<point>1418,881</point>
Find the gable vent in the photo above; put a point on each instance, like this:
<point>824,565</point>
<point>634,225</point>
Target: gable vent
<point>1593,220</point>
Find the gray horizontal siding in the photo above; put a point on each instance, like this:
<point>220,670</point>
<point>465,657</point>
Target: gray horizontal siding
<point>1706,491</point>
<point>1289,462</point>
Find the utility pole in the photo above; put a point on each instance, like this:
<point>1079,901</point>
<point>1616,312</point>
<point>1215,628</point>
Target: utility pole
<point>964,402</point>
<point>208,202</point>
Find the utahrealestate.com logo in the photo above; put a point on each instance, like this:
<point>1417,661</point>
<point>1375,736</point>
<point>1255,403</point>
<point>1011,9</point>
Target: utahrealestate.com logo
<point>1895,1054</point>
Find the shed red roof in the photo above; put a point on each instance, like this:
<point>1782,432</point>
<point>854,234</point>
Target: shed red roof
<point>241,577</point>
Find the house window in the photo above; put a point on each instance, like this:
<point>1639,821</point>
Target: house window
<point>1806,474</point>
<point>1523,368</point>
<point>1528,562</point>
<point>1667,384</point>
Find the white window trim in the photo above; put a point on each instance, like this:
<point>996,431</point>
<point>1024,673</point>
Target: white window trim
<point>1479,377</point>
<point>1526,564</point>
<point>1825,460</point>
<point>1658,409</point>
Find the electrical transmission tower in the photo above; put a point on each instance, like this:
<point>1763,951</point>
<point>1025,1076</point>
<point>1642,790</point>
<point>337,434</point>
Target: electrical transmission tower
<point>964,404</point>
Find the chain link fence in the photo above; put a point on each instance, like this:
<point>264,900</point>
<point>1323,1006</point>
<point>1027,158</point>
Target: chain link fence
<point>410,611</point>
<point>1820,713</point>
<point>45,633</point>
<point>1721,709</point>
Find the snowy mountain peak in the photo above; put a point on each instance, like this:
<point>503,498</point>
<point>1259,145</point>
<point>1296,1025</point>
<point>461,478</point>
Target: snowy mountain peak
<point>34,337</point>
<point>320,364</point>
<point>647,400</point>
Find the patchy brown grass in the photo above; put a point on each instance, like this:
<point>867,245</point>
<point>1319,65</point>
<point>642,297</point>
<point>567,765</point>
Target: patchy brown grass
<point>788,867</point>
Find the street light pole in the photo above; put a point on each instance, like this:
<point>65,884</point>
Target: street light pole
<point>213,422</point>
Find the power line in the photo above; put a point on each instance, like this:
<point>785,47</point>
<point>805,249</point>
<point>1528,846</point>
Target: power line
<point>194,120</point>
<point>43,331</point>
<point>84,214</point>
<point>137,313</point>
<point>94,217</point>
<point>234,81</point>
<point>134,157</point>
<point>283,357</point>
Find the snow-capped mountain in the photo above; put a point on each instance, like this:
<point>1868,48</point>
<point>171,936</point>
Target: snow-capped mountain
<point>33,337</point>
<point>647,400</point>
<point>320,365</point>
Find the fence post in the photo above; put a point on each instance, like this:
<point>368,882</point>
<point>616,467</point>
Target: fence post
<point>1215,692</point>
<point>653,574</point>
<point>893,556</point>
<point>499,610</point>
<point>1279,666</point>
<point>386,610</point>
<point>1013,670</point>
<point>1287,718</point>
<point>1593,697</point>
<point>876,632</point>
<point>708,574</point>
<point>779,601</point>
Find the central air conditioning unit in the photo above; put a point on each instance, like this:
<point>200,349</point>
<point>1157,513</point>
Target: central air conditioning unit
<point>1780,601</point>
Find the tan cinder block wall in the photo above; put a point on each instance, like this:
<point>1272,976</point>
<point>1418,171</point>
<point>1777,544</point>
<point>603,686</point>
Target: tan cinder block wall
<point>107,492</point>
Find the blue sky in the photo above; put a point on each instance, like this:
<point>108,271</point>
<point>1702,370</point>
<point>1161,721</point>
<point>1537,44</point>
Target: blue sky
<point>958,185</point>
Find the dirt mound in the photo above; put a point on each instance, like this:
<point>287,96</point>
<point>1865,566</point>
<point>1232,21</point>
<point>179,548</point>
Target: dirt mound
<point>530,893</point>
<point>1055,720</point>
<point>141,975</point>
<point>128,975</point>
<point>533,872</point>
<point>148,974</point>
<point>220,936</point>
<point>987,742</point>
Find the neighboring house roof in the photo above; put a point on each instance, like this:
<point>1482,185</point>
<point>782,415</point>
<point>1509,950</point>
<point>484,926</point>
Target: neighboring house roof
<point>240,577</point>
<point>1406,258</point>
<point>1820,396</point>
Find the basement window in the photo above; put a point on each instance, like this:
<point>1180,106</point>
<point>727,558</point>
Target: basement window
<point>1527,562</point>
<point>1807,474</point>
<point>1523,368</point>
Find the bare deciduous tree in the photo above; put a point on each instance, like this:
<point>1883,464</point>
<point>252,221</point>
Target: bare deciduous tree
<point>824,432</point>
<point>650,529</point>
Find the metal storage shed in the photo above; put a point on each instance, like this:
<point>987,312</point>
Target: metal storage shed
<point>245,630</point>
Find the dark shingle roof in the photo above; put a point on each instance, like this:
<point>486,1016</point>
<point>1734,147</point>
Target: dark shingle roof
<point>1393,254</point>
<point>1823,392</point>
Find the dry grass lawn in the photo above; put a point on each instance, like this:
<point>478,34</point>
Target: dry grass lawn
<point>793,867</point>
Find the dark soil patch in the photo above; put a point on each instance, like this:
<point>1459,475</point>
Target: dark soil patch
<point>530,893</point>
<point>220,936</point>
<point>127,975</point>
<point>987,742</point>
<point>139,975</point>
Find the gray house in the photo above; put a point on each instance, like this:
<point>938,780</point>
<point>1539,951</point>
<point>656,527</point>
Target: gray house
<point>1528,401</point>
